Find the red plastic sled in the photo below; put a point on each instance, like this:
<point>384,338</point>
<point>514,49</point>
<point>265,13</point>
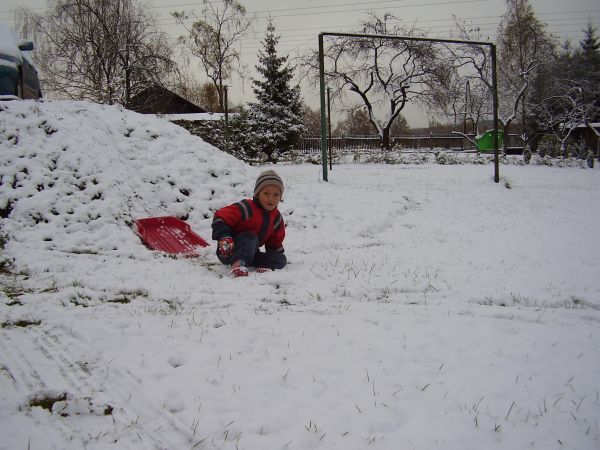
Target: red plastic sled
<point>169,234</point>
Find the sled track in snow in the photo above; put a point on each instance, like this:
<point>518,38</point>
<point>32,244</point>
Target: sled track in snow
<point>125,183</point>
<point>40,363</point>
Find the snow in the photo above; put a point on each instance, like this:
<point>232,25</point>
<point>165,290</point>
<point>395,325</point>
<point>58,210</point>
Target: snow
<point>424,306</point>
<point>8,42</point>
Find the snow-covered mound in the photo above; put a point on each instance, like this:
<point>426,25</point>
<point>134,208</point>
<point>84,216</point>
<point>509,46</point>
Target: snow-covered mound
<point>75,175</point>
<point>423,306</point>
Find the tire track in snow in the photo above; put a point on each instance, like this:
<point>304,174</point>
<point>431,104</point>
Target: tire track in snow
<point>26,378</point>
<point>39,363</point>
<point>132,407</point>
<point>29,383</point>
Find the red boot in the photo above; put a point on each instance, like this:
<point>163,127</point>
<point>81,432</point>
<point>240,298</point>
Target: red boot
<point>238,269</point>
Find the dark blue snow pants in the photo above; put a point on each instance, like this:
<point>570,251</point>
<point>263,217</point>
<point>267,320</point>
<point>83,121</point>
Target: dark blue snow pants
<point>245,248</point>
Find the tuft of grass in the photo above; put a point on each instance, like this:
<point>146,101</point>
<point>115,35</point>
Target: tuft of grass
<point>47,401</point>
<point>52,289</point>
<point>5,266</point>
<point>14,303</point>
<point>80,299</point>
<point>124,300</point>
<point>126,296</point>
<point>13,292</point>
<point>507,183</point>
<point>83,251</point>
<point>316,297</point>
<point>20,323</point>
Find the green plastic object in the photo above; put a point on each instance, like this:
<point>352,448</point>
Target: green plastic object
<point>485,143</point>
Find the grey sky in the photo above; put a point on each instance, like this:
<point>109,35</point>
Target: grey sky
<point>298,23</point>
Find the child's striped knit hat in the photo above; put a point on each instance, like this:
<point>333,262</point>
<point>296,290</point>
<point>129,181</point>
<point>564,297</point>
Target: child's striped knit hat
<point>268,178</point>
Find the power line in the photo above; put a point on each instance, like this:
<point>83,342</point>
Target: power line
<point>319,10</point>
<point>580,21</point>
<point>445,23</point>
<point>336,5</point>
<point>422,23</point>
<point>288,38</point>
<point>344,11</point>
<point>303,7</point>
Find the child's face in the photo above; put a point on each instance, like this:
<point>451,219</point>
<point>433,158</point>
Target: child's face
<point>269,197</point>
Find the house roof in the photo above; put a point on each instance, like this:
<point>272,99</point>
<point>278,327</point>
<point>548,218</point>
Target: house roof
<point>583,125</point>
<point>160,100</point>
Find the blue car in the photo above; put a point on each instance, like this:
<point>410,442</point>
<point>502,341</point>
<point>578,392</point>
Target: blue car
<point>18,75</point>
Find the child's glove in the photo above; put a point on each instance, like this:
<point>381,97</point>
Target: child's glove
<point>225,247</point>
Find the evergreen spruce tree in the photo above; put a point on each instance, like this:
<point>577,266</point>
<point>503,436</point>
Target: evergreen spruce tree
<point>589,66</point>
<point>276,117</point>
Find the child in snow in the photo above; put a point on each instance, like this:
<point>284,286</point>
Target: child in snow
<point>243,227</point>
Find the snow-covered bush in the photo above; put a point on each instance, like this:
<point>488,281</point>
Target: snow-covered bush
<point>590,159</point>
<point>527,154</point>
<point>549,146</point>
<point>241,142</point>
<point>446,158</point>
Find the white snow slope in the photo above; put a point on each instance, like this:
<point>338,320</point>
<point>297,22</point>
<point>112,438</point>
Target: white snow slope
<point>423,307</point>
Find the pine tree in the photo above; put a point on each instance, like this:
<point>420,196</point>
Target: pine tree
<point>276,117</point>
<point>588,62</point>
<point>590,46</point>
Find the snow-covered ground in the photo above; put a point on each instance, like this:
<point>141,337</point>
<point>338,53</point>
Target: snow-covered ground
<point>423,307</point>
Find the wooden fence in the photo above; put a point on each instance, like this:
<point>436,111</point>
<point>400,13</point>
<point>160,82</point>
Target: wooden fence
<point>349,143</point>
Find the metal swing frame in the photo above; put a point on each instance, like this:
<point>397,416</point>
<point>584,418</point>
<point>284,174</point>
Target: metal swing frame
<point>404,38</point>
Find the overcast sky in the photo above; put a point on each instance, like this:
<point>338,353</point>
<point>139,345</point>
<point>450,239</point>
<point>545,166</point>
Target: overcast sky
<point>299,22</point>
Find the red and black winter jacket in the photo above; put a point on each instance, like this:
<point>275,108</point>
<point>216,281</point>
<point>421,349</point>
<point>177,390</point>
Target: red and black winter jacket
<point>249,215</point>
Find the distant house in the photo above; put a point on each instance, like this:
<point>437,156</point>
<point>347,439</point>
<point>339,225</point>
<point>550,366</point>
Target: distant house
<point>588,134</point>
<point>159,100</point>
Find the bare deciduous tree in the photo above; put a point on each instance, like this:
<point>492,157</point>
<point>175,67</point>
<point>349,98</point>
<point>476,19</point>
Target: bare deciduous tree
<point>101,50</point>
<point>524,46</point>
<point>311,120</point>
<point>562,113</point>
<point>214,38</point>
<point>467,97</point>
<point>201,94</point>
<point>385,74</point>
<point>209,97</point>
<point>356,123</point>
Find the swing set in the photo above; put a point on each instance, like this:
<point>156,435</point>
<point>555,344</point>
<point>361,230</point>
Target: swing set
<point>490,139</point>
